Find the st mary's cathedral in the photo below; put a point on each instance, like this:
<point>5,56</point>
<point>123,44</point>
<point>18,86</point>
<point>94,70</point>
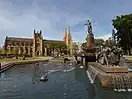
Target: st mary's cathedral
<point>36,46</point>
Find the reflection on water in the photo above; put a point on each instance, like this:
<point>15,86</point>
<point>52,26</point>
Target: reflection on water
<point>36,74</point>
<point>91,91</point>
<point>21,82</point>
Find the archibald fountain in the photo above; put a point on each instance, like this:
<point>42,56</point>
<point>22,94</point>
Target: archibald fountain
<point>88,54</point>
<point>90,48</point>
<point>105,66</point>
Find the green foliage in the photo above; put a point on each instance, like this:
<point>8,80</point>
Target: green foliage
<point>109,43</point>
<point>13,51</point>
<point>99,42</point>
<point>57,45</point>
<point>1,51</point>
<point>123,25</point>
<point>62,45</point>
<point>84,44</point>
<point>113,35</point>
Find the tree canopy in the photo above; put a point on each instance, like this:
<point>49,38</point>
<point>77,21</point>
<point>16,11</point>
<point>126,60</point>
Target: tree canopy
<point>99,42</point>
<point>123,25</point>
<point>59,46</point>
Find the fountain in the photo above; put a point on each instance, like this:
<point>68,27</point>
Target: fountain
<point>109,72</point>
<point>90,50</point>
<point>91,74</point>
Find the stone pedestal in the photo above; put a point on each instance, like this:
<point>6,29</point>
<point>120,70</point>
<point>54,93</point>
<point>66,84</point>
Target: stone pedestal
<point>90,50</point>
<point>90,41</point>
<point>90,44</point>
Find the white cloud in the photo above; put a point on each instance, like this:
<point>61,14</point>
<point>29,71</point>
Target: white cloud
<point>22,22</point>
<point>19,21</point>
<point>105,37</point>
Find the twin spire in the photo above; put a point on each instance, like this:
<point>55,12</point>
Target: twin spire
<point>40,32</point>
<point>67,36</point>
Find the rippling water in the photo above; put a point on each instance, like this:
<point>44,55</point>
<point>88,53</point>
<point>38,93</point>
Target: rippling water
<point>22,82</point>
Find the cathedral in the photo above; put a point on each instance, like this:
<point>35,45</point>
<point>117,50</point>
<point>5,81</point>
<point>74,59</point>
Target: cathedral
<point>36,46</point>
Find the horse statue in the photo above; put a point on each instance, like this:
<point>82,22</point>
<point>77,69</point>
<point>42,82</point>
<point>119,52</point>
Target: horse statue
<point>109,56</point>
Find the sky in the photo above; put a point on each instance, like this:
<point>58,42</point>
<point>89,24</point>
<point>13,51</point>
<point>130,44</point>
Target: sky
<point>19,18</point>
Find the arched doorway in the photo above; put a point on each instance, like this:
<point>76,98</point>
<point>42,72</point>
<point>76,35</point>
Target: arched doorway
<point>37,53</point>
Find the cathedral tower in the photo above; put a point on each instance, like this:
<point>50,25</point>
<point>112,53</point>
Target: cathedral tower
<point>69,38</point>
<point>37,43</point>
<point>65,35</point>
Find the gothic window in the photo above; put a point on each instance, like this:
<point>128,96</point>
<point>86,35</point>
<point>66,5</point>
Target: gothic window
<point>26,49</point>
<point>31,44</point>
<point>17,44</point>
<point>38,40</point>
<point>26,44</point>
<point>37,52</point>
<point>11,49</point>
<point>12,44</point>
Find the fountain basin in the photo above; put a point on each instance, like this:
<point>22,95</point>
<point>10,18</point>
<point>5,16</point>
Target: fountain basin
<point>110,78</point>
<point>111,69</point>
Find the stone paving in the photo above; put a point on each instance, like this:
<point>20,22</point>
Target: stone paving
<point>4,64</point>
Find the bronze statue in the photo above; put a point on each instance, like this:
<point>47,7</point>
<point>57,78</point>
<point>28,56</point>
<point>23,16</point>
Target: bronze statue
<point>89,25</point>
<point>109,56</point>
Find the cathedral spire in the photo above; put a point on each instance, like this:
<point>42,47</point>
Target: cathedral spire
<point>69,38</point>
<point>69,31</point>
<point>65,35</point>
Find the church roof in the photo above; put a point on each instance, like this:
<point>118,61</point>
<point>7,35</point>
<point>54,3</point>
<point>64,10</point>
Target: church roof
<point>52,41</point>
<point>19,39</point>
<point>16,39</point>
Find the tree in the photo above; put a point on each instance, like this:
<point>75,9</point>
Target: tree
<point>123,25</point>
<point>62,47</point>
<point>99,42</point>
<point>109,43</point>
<point>84,45</point>
<point>52,46</point>
<point>58,46</point>
<point>1,51</point>
<point>114,36</point>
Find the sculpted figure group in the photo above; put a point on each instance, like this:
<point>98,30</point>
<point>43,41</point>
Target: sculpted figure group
<point>109,56</point>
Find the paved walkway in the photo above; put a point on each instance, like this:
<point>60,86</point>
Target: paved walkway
<point>4,64</point>
<point>45,58</point>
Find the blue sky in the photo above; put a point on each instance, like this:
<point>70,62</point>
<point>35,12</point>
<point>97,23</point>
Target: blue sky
<point>19,17</point>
